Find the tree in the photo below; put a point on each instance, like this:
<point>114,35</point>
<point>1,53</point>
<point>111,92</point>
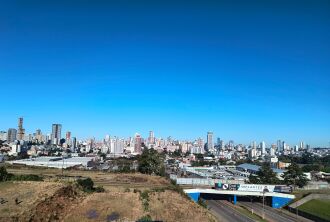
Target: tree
<point>151,162</point>
<point>3,174</point>
<point>311,167</point>
<point>253,179</point>
<point>265,175</point>
<point>177,153</point>
<point>295,176</point>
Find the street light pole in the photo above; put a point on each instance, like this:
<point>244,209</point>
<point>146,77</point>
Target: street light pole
<point>62,167</point>
<point>297,210</point>
<point>263,205</point>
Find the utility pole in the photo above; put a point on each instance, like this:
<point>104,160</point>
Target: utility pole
<point>297,210</point>
<point>62,166</point>
<point>263,205</point>
<point>263,202</point>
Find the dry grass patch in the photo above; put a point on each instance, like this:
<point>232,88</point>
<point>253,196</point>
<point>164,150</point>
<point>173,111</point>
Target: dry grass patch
<point>140,178</point>
<point>28,194</point>
<point>171,206</point>
<point>101,206</point>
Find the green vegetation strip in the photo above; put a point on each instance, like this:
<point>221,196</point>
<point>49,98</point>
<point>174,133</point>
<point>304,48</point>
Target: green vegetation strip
<point>248,213</point>
<point>317,207</point>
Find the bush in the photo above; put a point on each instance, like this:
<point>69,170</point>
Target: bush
<point>145,199</point>
<point>145,195</point>
<point>3,174</point>
<point>29,177</point>
<point>146,218</point>
<point>99,189</point>
<point>86,184</point>
<point>202,203</point>
<point>158,189</point>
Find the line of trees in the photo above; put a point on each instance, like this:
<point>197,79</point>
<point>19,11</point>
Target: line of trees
<point>5,176</point>
<point>294,176</point>
<point>311,162</point>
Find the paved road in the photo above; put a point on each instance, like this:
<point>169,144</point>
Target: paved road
<point>226,213</point>
<point>272,214</point>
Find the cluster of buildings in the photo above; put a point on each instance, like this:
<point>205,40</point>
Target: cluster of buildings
<point>16,140</point>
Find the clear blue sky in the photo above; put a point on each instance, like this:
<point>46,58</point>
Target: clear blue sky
<point>246,70</point>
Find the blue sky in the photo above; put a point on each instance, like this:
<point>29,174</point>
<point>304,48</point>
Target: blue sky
<point>246,71</point>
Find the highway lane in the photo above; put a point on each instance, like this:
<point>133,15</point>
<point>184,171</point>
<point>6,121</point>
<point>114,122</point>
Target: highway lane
<point>272,214</point>
<point>225,213</point>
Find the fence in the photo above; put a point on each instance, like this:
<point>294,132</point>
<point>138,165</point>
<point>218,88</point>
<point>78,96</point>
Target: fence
<point>306,215</point>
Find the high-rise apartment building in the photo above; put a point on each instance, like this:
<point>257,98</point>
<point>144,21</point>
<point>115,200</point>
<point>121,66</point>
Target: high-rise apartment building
<point>39,135</point>
<point>210,145</point>
<point>222,145</point>
<point>74,144</point>
<point>218,141</point>
<point>272,151</point>
<point>279,145</point>
<point>283,146</point>
<point>56,133</point>
<point>151,139</point>
<point>117,146</point>
<point>252,153</point>
<point>137,143</point>
<point>68,138</point>
<point>263,148</point>
<point>21,130</point>
<point>254,145</point>
<point>302,145</point>
<point>11,135</point>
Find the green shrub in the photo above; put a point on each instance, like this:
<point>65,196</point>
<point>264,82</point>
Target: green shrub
<point>99,189</point>
<point>158,189</point>
<point>202,203</point>
<point>145,199</point>
<point>146,218</point>
<point>29,177</point>
<point>144,195</point>
<point>3,174</point>
<point>86,184</point>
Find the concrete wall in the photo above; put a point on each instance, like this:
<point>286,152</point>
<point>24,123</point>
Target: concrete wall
<point>316,186</point>
<point>194,196</point>
<point>279,202</point>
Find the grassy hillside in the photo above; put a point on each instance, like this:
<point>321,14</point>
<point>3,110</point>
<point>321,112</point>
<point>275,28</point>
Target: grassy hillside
<point>127,197</point>
<point>317,207</point>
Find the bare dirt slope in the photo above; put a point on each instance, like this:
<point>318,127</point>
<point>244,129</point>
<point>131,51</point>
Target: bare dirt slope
<point>50,201</point>
<point>127,206</point>
<point>28,195</point>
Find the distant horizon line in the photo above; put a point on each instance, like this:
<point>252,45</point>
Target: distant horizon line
<point>98,138</point>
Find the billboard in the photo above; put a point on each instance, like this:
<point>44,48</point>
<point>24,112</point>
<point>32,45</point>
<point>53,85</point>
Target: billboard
<point>254,188</point>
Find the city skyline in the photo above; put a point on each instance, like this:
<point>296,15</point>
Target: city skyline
<point>56,132</point>
<point>243,71</point>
